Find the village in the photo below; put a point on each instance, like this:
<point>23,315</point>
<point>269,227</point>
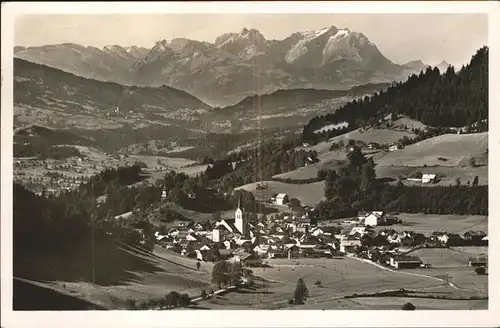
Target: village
<point>367,236</point>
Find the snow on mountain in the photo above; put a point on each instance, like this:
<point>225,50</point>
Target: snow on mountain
<point>235,65</point>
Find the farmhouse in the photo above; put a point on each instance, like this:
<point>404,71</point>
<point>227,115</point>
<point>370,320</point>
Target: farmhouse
<point>281,199</point>
<point>428,178</point>
<point>374,218</point>
<point>349,245</point>
<point>395,147</point>
<point>400,262</point>
<point>475,236</point>
<point>478,261</point>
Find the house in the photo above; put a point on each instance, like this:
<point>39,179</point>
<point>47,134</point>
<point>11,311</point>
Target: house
<point>451,239</point>
<point>373,145</point>
<point>405,262</point>
<point>322,251</point>
<point>428,178</point>
<point>475,237</point>
<point>261,249</point>
<point>478,261</point>
<point>395,147</point>
<point>349,245</point>
<point>311,160</point>
<point>374,218</point>
<point>292,251</point>
<point>281,199</point>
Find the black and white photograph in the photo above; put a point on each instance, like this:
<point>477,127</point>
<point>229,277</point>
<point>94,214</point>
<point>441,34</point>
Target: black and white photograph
<point>252,159</point>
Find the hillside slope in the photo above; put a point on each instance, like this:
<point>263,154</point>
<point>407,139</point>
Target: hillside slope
<point>455,148</point>
<point>47,96</point>
<point>107,273</point>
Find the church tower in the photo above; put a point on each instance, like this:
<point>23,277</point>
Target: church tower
<point>239,221</point>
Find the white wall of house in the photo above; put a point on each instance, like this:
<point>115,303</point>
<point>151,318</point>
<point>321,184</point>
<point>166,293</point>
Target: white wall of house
<point>371,220</point>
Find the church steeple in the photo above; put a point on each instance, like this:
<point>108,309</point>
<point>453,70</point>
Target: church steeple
<point>239,219</point>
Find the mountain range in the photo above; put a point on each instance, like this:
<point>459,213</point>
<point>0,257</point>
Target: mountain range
<point>235,66</point>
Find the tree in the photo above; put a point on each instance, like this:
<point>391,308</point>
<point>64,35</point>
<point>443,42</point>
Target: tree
<point>220,273</point>
<point>331,176</point>
<point>294,203</point>
<point>172,299</point>
<point>409,306</point>
<point>472,162</point>
<point>458,182</point>
<point>480,270</point>
<point>198,264</point>
<point>203,294</point>
<point>301,292</point>
<point>184,300</point>
<point>356,158</point>
<point>475,183</point>
<point>235,273</point>
<point>368,176</point>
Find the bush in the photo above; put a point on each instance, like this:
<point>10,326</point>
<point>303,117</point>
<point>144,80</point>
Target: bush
<point>480,270</point>
<point>409,307</point>
<point>318,283</point>
<point>184,300</point>
<point>203,294</point>
<point>290,301</point>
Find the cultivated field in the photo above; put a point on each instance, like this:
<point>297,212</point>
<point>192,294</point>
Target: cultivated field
<point>308,194</point>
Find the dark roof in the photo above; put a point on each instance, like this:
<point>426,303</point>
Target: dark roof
<point>475,233</point>
<point>225,252</point>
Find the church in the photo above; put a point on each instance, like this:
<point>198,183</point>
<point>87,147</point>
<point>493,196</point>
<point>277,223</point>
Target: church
<point>238,225</point>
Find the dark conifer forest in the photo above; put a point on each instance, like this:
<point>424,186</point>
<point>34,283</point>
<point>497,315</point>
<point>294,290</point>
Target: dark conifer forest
<point>451,99</point>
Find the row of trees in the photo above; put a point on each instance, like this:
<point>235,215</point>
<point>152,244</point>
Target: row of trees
<point>453,98</point>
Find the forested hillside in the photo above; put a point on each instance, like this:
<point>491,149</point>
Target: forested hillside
<point>452,99</point>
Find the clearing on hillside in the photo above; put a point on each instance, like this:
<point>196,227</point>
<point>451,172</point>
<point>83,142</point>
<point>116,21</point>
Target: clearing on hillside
<point>308,194</point>
<point>453,147</point>
<point>380,136</point>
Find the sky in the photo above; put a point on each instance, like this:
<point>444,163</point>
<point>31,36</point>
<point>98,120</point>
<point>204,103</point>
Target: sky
<point>400,37</point>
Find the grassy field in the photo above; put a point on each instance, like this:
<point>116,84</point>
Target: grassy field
<point>170,162</point>
<point>339,277</point>
<point>381,136</point>
<point>454,147</point>
<point>308,194</point>
<point>447,258</point>
<point>450,174</point>
<point>395,303</point>
<point>428,223</point>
